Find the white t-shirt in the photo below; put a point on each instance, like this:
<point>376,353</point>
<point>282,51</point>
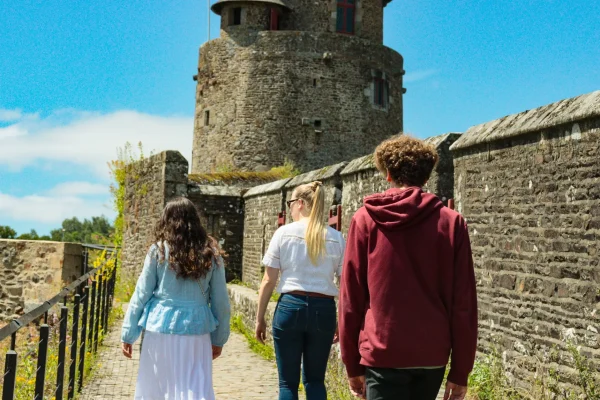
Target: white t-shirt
<point>288,251</point>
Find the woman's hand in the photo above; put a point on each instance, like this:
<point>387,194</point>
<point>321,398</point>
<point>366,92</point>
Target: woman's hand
<point>261,331</point>
<point>336,337</point>
<point>127,349</point>
<point>216,350</point>
<point>264,295</point>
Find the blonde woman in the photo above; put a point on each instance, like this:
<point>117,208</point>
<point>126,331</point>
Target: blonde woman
<point>306,255</point>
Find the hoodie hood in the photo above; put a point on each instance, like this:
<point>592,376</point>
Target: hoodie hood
<point>397,209</point>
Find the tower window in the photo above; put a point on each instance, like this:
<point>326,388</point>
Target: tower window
<point>274,20</point>
<point>236,16</point>
<point>381,94</point>
<point>345,16</point>
<point>206,117</point>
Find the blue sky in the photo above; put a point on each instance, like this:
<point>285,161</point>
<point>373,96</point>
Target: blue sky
<point>80,78</point>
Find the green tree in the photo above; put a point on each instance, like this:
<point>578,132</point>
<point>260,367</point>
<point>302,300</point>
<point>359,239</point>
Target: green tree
<point>6,232</point>
<point>97,230</point>
<point>32,235</point>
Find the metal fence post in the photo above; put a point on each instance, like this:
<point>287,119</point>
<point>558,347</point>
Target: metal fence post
<point>62,344</point>
<point>10,371</point>
<point>73,366</point>
<point>40,375</point>
<point>84,317</point>
<point>104,296</point>
<point>98,307</point>
<point>107,301</point>
<point>92,314</point>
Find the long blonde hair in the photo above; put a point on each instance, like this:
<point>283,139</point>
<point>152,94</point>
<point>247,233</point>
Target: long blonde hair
<point>314,198</point>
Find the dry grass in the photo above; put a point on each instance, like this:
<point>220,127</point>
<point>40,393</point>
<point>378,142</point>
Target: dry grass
<point>230,175</point>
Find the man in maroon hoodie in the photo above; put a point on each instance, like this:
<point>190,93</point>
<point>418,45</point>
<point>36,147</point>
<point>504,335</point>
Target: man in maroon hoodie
<point>407,295</point>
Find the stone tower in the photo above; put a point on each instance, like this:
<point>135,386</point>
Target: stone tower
<point>307,81</point>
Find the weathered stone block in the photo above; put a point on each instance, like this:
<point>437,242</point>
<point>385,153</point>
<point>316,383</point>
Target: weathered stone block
<point>34,271</point>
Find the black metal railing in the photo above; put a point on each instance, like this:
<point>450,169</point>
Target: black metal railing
<point>90,310</point>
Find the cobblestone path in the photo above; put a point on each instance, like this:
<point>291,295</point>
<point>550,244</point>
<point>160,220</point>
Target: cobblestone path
<point>238,374</point>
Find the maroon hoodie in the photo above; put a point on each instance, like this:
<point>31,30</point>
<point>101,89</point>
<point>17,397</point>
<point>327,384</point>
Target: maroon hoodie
<point>407,295</point>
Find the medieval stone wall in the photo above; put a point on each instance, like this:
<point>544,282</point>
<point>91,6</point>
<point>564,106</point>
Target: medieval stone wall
<point>369,20</point>
<point>321,17</point>
<point>262,206</point>
<point>150,184</point>
<point>360,178</point>
<point>305,97</point>
<point>222,214</point>
<point>33,271</point>
<point>307,15</point>
<point>244,304</point>
<point>441,181</point>
<point>532,203</point>
<point>254,18</point>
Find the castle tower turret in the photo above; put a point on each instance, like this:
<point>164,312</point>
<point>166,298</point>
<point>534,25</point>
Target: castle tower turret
<point>308,81</point>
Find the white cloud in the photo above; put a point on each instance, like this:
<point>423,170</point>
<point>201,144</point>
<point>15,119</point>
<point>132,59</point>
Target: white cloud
<point>51,209</point>
<point>78,189</point>
<point>90,139</point>
<point>419,75</point>
<point>12,131</point>
<point>10,115</point>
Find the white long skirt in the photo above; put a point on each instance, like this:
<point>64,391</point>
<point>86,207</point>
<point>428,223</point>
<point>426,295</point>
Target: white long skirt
<point>175,367</point>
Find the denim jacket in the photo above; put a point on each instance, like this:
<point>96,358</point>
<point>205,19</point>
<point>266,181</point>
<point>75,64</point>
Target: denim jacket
<point>164,303</point>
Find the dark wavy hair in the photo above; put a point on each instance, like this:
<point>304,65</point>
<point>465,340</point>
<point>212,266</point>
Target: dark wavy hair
<point>191,250</point>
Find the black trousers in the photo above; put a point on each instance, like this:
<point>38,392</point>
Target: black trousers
<point>403,384</point>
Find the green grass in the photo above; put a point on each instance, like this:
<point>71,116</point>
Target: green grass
<point>489,380</point>
<point>240,283</point>
<point>263,350</point>
<point>336,379</point>
<point>124,286</point>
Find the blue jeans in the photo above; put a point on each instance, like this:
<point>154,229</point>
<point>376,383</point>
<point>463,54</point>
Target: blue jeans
<point>303,330</point>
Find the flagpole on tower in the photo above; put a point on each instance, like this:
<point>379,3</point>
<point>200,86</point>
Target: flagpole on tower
<point>208,15</point>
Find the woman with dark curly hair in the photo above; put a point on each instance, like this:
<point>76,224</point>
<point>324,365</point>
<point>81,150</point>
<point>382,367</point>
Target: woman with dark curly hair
<point>181,302</point>
<point>407,294</point>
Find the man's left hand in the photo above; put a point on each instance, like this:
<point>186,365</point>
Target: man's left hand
<point>358,386</point>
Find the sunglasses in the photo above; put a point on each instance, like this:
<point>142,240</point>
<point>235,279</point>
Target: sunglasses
<point>289,202</point>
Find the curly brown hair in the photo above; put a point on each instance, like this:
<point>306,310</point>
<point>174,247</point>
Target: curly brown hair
<point>408,160</point>
<point>191,250</point>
